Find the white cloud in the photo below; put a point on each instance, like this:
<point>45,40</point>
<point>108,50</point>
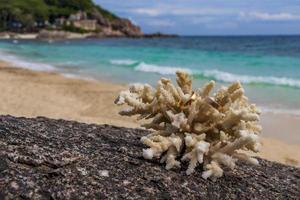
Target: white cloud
<point>200,11</point>
<point>170,10</point>
<point>211,16</point>
<point>222,26</point>
<point>161,23</point>
<point>202,20</point>
<point>269,17</point>
<point>153,12</point>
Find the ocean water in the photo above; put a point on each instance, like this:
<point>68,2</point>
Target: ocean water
<point>268,66</point>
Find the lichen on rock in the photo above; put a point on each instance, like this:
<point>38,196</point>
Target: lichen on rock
<point>194,126</point>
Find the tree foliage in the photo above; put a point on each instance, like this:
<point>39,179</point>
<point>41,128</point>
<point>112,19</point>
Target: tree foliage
<point>29,12</point>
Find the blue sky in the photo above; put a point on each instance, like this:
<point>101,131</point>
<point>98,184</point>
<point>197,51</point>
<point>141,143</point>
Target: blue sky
<point>210,17</point>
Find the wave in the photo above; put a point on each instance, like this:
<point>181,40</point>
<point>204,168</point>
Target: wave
<point>220,75</point>
<point>229,77</point>
<point>18,62</point>
<point>164,70</point>
<point>123,62</point>
<point>281,111</point>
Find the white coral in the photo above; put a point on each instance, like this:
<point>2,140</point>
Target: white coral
<point>195,126</point>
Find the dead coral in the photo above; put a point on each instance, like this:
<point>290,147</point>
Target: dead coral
<point>194,126</point>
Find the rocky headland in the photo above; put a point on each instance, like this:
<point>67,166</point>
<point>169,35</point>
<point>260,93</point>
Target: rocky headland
<point>46,19</point>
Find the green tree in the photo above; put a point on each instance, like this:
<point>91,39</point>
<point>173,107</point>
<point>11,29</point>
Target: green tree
<point>28,12</point>
<point>77,4</point>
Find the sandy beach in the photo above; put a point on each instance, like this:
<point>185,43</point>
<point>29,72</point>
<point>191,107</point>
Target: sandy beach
<point>29,93</point>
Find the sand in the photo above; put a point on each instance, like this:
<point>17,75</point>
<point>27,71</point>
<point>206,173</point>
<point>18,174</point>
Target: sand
<point>29,93</point>
<point>23,36</point>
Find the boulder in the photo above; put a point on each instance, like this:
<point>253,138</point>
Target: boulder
<point>42,158</point>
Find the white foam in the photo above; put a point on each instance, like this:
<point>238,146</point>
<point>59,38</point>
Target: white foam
<point>228,77</point>
<point>77,76</point>
<point>280,111</point>
<point>18,62</point>
<point>123,62</point>
<point>164,70</point>
<point>220,75</point>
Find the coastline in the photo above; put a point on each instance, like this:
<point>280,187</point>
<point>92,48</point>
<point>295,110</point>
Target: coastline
<point>32,93</point>
<point>66,35</point>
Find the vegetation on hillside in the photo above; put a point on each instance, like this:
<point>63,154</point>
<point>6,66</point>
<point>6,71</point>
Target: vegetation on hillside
<point>27,15</point>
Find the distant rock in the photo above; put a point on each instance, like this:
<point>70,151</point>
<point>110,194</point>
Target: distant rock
<point>72,22</point>
<point>126,27</point>
<point>160,35</point>
<point>42,158</point>
<point>101,20</point>
<point>78,16</point>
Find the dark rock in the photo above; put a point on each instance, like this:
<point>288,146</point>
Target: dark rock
<point>127,27</point>
<point>102,21</point>
<point>159,35</point>
<point>55,159</point>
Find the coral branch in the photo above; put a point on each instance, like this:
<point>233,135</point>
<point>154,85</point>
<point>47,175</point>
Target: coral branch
<point>194,126</point>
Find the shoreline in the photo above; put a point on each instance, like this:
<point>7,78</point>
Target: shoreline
<point>66,35</point>
<point>31,93</point>
<point>14,60</point>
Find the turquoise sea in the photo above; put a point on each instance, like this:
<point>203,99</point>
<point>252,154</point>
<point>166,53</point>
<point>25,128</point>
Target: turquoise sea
<point>268,66</point>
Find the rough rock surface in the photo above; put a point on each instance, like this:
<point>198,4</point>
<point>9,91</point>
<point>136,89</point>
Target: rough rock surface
<point>55,159</point>
<point>127,28</point>
<point>101,20</point>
